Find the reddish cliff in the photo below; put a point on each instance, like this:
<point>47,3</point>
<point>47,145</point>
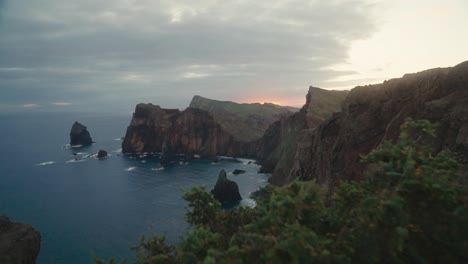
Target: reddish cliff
<point>189,132</point>
<point>277,147</point>
<point>374,113</point>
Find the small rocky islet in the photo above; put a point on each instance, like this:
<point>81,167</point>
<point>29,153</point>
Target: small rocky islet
<point>79,135</point>
<point>225,190</point>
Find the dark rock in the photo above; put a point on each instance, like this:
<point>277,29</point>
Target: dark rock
<point>102,154</point>
<point>373,114</point>
<point>79,135</point>
<point>19,243</point>
<point>277,147</point>
<point>190,132</point>
<point>259,194</point>
<point>168,155</point>
<point>225,190</point>
<point>238,171</point>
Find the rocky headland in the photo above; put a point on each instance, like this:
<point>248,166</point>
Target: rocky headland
<point>326,138</point>
<point>19,243</point>
<point>190,132</point>
<point>209,128</point>
<point>277,147</point>
<point>374,113</point>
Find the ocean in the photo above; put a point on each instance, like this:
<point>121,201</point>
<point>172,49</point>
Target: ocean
<point>87,207</point>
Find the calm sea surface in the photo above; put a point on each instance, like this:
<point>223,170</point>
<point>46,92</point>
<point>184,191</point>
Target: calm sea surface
<point>88,206</point>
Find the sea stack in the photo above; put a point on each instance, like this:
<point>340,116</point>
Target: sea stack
<point>225,190</point>
<point>19,243</point>
<point>79,135</point>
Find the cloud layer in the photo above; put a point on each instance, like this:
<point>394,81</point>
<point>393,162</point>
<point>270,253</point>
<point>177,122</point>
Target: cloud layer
<point>112,54</point>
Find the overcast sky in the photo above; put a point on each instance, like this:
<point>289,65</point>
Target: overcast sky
<point>108,55</point>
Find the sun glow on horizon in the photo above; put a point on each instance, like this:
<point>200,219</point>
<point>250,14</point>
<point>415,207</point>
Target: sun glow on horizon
<point>276,101</point>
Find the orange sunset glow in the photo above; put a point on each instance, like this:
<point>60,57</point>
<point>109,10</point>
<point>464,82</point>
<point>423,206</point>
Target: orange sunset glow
<point>277,101</point>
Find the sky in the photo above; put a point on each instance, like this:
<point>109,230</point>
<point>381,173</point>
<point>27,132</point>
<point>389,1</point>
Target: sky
<point>109,55</point>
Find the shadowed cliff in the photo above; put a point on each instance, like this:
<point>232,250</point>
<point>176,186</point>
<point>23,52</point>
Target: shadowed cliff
<point>277,148</point>
<point>189,132</point>
<point>372,114</point>
<point>19,243</point>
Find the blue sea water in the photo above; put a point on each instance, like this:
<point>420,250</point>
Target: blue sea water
<point>92,206</point>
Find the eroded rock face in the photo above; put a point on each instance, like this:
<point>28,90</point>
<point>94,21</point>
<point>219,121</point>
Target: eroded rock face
<point>79,135</point>
<point>277,148</point>
<point>19,243</point>
<point>189,132</point>
<point>225,190</point>
<point>374,113</point>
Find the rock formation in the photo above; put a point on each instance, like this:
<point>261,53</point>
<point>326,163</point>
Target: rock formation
<point>277,147</point>
<point>19,243</point>
<point>246,122</point>
<point>189,132</point>
<point>79,135</point>
<point>225,190</point>
<point>372,114</point>
<point>238,171</point>
<point>102,154</point>
<point>168,155</point>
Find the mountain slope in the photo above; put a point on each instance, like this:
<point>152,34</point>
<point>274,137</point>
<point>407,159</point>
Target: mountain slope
<point>372,114</point>
<point>277,147</point>
<point>246,122</point>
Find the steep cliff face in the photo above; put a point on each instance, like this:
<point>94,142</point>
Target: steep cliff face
<point>190,132</point>
<point>246,122</point>
<point>19,243</point>
<point>374,113</point>
<point>277,148</point>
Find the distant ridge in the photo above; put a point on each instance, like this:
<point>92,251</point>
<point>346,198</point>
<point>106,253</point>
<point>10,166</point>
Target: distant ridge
<point>245,121</point>
<point>208,128</point>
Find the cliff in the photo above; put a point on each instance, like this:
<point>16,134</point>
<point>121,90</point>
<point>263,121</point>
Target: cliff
<point>190,132</point>
<point>19,243</point>
<point>372,114</point>
<point>246,122</point>
<point>277,148</point>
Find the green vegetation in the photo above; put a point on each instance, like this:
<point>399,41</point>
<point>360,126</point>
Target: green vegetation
<point>324,102</point>
<point>245,122</point>
<point>412,208</point>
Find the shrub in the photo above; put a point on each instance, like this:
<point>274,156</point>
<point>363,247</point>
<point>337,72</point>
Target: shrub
<point>411,209</point>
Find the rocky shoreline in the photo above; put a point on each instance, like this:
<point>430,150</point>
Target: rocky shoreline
<point>19,243</point>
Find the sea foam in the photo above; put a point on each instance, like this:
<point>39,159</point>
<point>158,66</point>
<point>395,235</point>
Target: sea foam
<point>46,163</point>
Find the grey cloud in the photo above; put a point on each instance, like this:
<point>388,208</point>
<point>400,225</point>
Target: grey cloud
<point>112,54</point>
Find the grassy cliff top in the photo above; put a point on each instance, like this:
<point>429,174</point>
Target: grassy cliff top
<point>246,122</point>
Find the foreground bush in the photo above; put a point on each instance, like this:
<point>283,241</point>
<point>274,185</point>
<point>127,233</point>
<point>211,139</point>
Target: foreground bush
<point>412,208</point>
